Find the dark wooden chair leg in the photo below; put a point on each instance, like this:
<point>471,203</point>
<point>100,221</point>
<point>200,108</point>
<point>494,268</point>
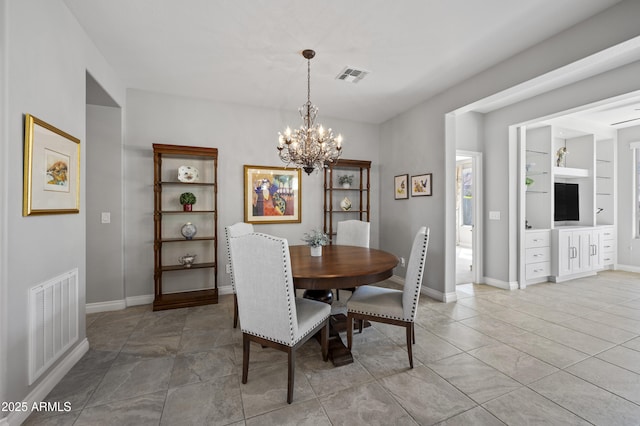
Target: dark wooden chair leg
<point>292,368</point>
<point>324,342</point>
<point>360,324</point>
<point>349,330</point>
<point>235,310</point>
<point>337,294</point>
<point>409,329</point>
<point>246,346</point>
<point>413,332</point>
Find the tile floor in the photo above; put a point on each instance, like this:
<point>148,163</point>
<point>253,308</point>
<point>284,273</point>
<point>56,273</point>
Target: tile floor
<point>562,354</point>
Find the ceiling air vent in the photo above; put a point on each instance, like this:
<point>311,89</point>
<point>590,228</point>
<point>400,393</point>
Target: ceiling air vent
<point>351,74</point>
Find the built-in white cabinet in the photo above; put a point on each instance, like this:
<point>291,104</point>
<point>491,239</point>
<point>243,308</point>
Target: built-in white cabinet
<point>580,244</point>
<point>581,251</point>
<point>537,256</point>
<point>609,245</point>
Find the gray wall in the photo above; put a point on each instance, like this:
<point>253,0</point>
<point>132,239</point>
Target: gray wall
<point>628,244</point>
<point>414,143</point>
<point>470,131</point>
<point>243,135</point>
<point>104,194</point>
<point>45,77</point>
<point>4,191</point>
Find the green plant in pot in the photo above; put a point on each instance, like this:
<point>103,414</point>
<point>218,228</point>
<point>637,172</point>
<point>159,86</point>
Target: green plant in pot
<point>345,180</point>
<point>187,199</point>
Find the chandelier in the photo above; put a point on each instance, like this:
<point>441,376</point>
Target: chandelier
<point>311,146</point>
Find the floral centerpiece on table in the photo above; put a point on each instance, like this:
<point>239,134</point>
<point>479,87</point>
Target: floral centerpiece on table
<point>316,238</point>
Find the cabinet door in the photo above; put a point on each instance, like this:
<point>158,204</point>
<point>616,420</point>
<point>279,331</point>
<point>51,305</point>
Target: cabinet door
<point>566,253</point>
<point>582,242</point>
<point>597,260</point>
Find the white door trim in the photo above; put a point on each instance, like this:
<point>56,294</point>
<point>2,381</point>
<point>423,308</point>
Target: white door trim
<point>477,237</point>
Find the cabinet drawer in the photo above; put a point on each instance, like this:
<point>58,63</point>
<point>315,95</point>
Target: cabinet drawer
<point>608,259</point>
<point>538,254</point>
<point>537,270</point>
<point>537,239</point>
<point>608,246</point>
<point>608,234</point>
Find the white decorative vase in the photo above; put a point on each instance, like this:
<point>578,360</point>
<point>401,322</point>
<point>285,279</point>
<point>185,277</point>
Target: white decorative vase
<point>346,185</point>
<point>345,204</point>
<point>316,251</point>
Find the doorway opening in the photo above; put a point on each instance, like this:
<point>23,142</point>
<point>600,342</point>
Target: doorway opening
<point>464,220</point>
<point>468,199</point>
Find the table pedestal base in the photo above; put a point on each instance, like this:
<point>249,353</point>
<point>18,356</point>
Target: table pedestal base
<point>339,354</point>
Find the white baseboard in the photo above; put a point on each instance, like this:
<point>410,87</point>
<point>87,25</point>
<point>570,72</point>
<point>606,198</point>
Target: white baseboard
<point>116,305</point>
<point>627,268</point>
<point>505,285</point>
<point>145,299</point>
<point>227,289</point>
<point>42,389</point>
<point>439,295</point>
<point>113,305</point>
<point>428,291</point>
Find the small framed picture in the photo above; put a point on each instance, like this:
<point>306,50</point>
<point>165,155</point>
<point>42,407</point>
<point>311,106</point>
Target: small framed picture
<point>421,185</point>
<point>401,187</point>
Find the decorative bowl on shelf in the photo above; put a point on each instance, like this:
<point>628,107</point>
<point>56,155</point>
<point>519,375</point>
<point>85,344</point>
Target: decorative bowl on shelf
<point>187,174</point>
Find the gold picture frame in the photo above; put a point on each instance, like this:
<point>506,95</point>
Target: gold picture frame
<point>51,170</point>
<point>272,195</point>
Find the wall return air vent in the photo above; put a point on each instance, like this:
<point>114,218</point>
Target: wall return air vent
<point>351,74</point>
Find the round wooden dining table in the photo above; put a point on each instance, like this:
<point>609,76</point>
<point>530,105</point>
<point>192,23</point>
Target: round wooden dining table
<point>339,267</point>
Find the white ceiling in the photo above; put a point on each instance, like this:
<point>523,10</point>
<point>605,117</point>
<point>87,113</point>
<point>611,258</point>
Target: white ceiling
<point>248,51</point>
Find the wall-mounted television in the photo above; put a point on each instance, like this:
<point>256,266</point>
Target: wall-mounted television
<point>566,202</point>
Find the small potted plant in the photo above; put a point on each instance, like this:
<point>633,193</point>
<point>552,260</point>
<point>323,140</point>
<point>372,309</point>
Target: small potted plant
<point>316,239</point>
<point>345,181</point>
<point>187,199</point>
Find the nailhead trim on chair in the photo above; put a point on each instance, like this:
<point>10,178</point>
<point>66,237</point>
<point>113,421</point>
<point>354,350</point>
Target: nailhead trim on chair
<point>376,314</point>
<point>422,262</point>
<point>293,342</point>
<point>420,273</point>
<point>226,234</point>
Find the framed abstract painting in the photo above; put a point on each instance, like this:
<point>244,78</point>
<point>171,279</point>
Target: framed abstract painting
<point>272,195</point>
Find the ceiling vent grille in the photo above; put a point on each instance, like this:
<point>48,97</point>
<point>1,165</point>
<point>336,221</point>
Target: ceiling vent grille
<point>351,74</point>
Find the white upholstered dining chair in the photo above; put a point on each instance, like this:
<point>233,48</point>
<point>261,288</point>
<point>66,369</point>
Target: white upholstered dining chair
<point>235,230</point>
<point>352,233</point>
<point>270,314</point>
<point>391,306</point>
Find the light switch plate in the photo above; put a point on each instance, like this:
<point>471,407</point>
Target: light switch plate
<point>105,217</point>
<point>494,215</point>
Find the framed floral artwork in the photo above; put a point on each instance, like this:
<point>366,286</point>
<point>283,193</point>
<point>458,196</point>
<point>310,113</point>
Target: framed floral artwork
<point>51,170</point>
<point>401,187</point>
<point>421,185</point>
<point>272,195</point>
